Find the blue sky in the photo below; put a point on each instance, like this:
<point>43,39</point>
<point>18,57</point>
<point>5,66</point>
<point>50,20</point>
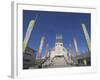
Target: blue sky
<point>52,23</point>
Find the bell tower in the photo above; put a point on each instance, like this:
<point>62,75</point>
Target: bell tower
<point>58,55</point>
<point>59,40</point>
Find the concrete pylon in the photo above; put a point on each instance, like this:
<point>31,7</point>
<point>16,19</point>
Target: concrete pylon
<point>47,51</point>
<point>76,48</point>
<point>40,48</point>
<point>70,53</point>
<point>28,33</point>
<point>86,37</point>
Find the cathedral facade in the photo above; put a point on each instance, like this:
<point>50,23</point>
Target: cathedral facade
<point>58,56</point>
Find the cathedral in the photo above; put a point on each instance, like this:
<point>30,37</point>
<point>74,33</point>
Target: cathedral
<point>58,56</point>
